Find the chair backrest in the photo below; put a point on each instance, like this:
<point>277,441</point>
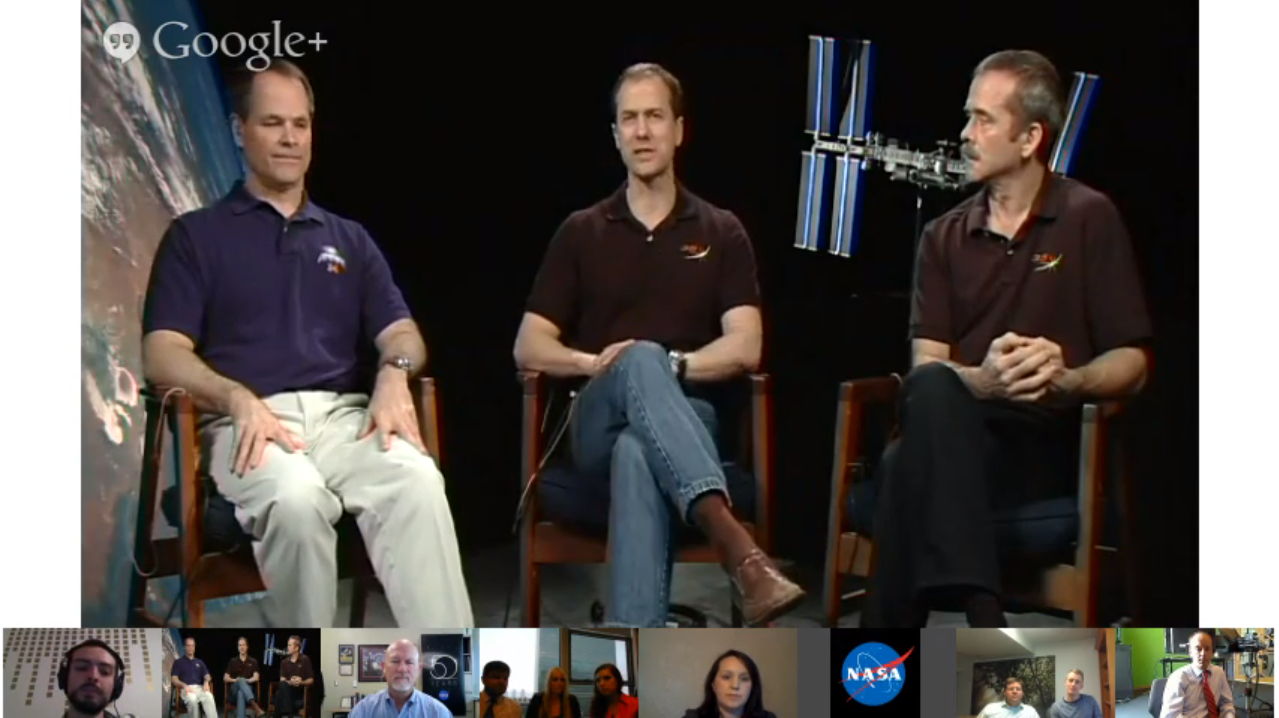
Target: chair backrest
<point>1156,696</point>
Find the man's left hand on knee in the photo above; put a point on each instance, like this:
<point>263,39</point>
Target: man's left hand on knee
<point>391,412</point>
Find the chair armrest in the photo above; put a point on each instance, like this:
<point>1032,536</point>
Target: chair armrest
<point>870,390</point>
<point>428,414</point>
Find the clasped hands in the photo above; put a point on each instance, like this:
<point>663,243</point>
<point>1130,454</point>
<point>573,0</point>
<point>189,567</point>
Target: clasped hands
<point>1029,369</point>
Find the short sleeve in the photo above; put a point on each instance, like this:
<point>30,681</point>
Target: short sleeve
<point>739,283</point>
<point>1116,304</point>
<point>177,289</point>
<point>930,315</point>
<point>381,301</point>
<point>555,287</point>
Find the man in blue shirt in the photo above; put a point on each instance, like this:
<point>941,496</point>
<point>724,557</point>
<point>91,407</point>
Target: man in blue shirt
<point>401,698</point>
<point>266,310</point>
<point>1075,704</point>
<point>1011,706</point>
<point>194,684</point>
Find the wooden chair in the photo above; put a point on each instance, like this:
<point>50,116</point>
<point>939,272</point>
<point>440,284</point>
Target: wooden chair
<point>544,540</point>
<point>217,561</point>
<point>228,705</point>
<point>1071,587</point>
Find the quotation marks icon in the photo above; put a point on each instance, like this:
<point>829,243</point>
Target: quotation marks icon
<point>121,41</point>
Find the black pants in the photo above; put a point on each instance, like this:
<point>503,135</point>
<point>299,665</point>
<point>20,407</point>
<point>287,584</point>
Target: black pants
<point>957,462</point>
<point>288,699</point>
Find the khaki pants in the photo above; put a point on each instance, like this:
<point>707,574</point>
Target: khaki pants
<point>196,697</point>
<point>291,501</point>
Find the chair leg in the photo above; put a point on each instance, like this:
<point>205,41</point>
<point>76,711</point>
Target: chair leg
<point>531,593</point>
<point>359,601</point>
<point>832,599</point>
<point>195,610</point>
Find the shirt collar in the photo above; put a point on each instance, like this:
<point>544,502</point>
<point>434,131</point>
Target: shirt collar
<point>617,209</point>
<point>241,200</point>
<point>1046,205</point>
<point>412,699</point>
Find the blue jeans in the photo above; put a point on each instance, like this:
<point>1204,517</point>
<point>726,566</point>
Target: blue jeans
<point>243,693</point>
<point>634,424</point>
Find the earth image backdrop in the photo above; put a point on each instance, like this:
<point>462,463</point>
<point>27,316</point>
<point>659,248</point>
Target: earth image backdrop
<point>154,143</point>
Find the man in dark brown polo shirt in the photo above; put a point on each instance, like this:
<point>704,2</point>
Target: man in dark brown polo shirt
<point>295,676</point>
<point>243,671</point>
<point>650,294</point>
<point>1027,302</point>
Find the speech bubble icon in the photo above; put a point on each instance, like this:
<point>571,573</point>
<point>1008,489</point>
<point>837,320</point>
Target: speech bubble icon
<point>121,41</point>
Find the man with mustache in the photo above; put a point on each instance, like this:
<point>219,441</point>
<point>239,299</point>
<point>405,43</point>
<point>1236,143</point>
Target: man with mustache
<point>401,699</point>
<point>281,320</point>
<point>650,298</point>
<point>1027,303</point>
<point>92,676</point>
<point>493,701</point>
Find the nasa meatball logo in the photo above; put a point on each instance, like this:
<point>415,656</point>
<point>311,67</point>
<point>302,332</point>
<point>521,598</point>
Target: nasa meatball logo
<point>873,674</point>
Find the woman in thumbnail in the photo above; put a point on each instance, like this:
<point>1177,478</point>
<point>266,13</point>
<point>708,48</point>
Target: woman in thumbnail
<point>555,701</point>
<point>609,700</point>
<point>733,689</point>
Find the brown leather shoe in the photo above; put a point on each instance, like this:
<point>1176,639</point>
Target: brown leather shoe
<point>765,592</point>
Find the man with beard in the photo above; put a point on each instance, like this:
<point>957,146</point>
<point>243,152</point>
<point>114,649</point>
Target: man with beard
<point>1027,303</point>
<point>91,675</point>
<point>401,698</point>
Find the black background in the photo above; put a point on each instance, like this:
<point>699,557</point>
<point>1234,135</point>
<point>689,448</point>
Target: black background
<point>462,142</point>
<point>217,646</point>
<point>906,703</point>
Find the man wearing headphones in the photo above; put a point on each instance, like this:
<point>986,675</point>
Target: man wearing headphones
<point>92,675</point>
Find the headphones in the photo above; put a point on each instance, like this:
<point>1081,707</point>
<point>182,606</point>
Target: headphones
<point>65,666</point>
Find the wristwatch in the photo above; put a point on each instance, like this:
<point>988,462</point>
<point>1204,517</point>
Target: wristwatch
<point>399,362</point>
<point>679,362</point>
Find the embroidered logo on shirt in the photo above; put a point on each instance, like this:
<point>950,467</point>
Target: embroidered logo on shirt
<point>331,259</point>
<point>695,250</point>
<point>1046,261</point>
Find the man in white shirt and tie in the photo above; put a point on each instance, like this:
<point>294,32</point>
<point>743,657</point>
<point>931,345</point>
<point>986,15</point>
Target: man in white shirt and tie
<point>1199,690</point>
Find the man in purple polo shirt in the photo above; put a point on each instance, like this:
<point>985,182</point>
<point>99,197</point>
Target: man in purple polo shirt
<point>193,683</point>
<point>262,307</point>
<point>1027,302</point>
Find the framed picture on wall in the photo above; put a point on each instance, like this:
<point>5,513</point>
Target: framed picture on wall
<point>346,670</point>
<point>371,658</point>
<point>346,655</point>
